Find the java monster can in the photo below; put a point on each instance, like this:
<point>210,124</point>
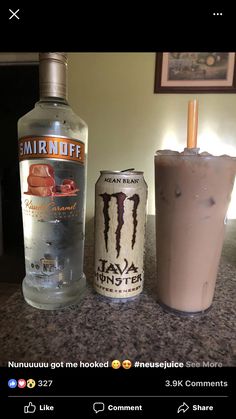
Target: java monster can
<point>120,220</point>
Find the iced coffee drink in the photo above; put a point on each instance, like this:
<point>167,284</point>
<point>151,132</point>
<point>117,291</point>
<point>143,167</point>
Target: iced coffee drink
<point>192,196</point>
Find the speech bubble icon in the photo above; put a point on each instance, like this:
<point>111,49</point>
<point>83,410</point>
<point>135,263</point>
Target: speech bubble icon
<point>98,407</point>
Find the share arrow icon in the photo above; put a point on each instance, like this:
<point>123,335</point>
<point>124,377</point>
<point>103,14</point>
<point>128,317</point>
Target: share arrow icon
<point>183,408</point>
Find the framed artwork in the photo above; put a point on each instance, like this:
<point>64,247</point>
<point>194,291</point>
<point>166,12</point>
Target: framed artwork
<point>19,58</point>
<point>202,72</point>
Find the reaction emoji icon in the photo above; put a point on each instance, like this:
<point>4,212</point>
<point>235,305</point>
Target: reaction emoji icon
<point>21,383</point>
<point>31,383</point>
<point>12,383</point>
<point>115,364</point>
<point>126,364</point>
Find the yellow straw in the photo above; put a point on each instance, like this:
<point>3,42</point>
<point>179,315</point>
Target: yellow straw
<point>192,123</point>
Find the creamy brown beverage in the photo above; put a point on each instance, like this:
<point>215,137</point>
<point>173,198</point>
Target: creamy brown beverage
<point>192,197</point>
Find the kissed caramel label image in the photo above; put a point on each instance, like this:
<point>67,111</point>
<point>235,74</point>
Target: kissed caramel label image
<point>41,181</point>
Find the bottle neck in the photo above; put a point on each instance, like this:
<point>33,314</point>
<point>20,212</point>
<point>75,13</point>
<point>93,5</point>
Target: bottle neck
<point>54,101</point>
<point>53,78</point>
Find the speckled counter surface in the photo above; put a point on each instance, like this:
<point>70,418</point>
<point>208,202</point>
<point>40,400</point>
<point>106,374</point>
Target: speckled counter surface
<point>139,330</point>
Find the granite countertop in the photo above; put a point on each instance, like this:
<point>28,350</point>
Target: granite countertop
<point>97,329</point>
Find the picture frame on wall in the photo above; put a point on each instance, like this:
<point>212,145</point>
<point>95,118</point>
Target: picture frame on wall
<point>202,72</point>
<point>19,58</point>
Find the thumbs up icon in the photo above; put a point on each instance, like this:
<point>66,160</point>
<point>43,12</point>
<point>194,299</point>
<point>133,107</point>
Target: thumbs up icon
<point>30,408</point>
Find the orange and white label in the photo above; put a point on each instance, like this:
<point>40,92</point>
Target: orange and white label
<point>51,147</point>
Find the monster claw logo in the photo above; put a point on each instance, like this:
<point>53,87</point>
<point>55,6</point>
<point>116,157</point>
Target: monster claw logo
<point>136,200</point>
<point>106,199</point>
<point>120,198</point>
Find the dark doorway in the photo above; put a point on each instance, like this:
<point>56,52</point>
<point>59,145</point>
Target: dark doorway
<point>19,91</point>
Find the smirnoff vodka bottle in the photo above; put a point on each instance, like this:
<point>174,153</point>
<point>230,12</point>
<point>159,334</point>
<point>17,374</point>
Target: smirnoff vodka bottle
<point>52,154</point>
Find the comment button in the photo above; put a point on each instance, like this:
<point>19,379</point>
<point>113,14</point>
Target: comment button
<point>98,407</point>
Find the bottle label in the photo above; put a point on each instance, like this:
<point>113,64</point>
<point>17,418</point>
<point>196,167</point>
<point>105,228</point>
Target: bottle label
<point>52,188</point>
<point>51,147</point>
<point>52,174</point>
